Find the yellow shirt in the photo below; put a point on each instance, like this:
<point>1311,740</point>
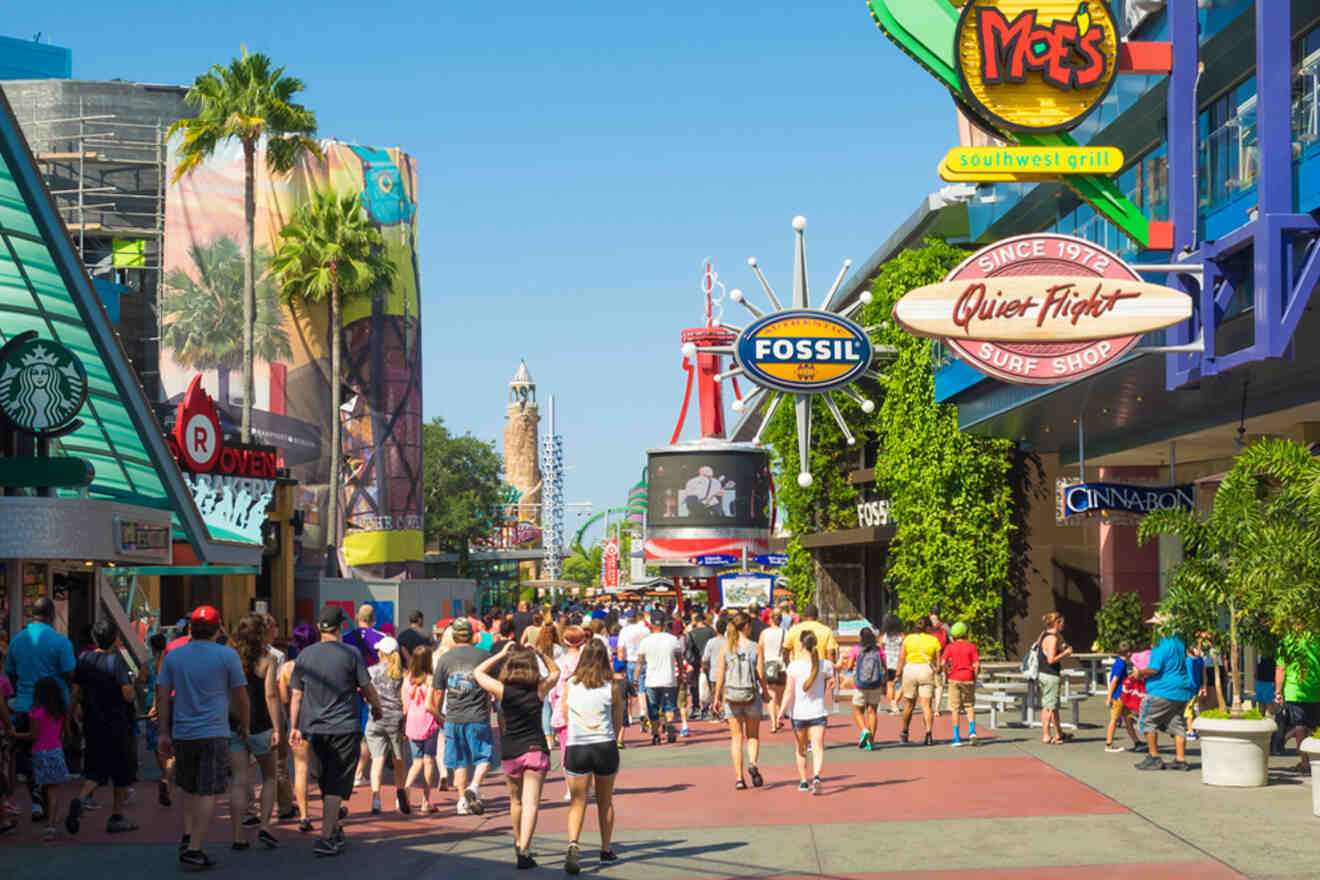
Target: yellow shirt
<point>826,644</point>
<point>920,648</point>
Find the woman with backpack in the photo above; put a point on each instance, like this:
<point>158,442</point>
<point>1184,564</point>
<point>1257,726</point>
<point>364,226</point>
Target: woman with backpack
<point>739,673</point>
<point>868,666</point>
<point>770,659</point>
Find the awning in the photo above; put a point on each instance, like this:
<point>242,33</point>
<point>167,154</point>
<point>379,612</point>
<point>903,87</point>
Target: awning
<point>44,287</point>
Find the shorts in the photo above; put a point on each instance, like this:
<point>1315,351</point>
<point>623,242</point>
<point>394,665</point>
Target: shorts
<point>962,698</point>
<point>257,743</point>
<point>599,759</point>
<point>424,748</point>
<point>546,714</point>
<point>1117,711</point>
<point>780,676</point>
<point>201,766</point>
<point>804,723</point>
<point>112,757</point>
<point>891,675</point>
<point>660,700</point>
<point>49,768</point>
<point>467,744</point>
<point>864,697</point>
<point>1049,691</point>
<point>1158,714</point>
<point>385,737</point>
<point>152,734</point>
<point>338,754</point>
<point>634,677</point>
<point>918,681</point>
<point>749,709</point>
<point>1299,715</point>
<point>536,762</point>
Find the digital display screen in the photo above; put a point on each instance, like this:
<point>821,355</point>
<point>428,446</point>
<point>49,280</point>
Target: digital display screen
<point>697,488</point>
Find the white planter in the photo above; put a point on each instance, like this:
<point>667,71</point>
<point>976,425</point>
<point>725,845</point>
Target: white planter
<point>1311,746</point>
<point>1234,752</point>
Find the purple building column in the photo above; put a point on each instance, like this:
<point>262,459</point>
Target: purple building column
<point>1274,183</point>
<point>1125,565</point>
<point>1182,109</point>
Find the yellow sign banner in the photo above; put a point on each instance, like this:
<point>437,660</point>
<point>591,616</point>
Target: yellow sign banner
<point>991,164</point>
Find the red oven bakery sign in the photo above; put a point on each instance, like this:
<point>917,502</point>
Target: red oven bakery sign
<point>1041,309</point>
<point>199,445</point>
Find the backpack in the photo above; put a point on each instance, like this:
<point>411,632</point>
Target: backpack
<point>739,678</point>
<point>1031,662</point>
<point>870,669</point>
<point>419,724</point>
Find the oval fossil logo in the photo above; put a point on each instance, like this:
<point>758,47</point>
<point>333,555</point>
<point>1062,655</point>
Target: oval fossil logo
<point>803,351</point>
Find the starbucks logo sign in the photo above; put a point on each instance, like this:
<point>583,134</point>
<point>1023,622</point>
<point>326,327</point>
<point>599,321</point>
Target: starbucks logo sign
<point>42,384</point>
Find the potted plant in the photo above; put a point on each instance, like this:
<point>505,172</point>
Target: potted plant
<point>1254,564</point>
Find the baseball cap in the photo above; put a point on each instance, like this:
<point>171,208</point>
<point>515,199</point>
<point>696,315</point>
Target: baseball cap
<point>332,616</point>
<point>462,628</point>
<point>387,645</point>
<point>205,614</point>
<point>958,630</point>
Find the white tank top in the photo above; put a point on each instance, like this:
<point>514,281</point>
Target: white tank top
<point>590,714</point>
<point>772,642</point>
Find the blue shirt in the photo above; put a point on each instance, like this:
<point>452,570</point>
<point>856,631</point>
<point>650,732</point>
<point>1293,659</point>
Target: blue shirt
<point>1118,672</point>
<point>38,652</point>
<point>1172,679</point>
<point>1196,670</point>
<point>201,674</point>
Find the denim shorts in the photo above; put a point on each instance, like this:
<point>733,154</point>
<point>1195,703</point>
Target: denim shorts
<point>804,723</point>
<point>424,748</point>
<point>467,744</point>
<point>660,700</point>
<point>257,743</point>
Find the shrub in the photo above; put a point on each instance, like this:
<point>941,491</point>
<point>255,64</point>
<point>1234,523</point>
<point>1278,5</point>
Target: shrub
<point>1121,619</point>
<point>1224,715</point>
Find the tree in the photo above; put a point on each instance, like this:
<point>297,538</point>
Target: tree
<point>247,100</point>
<point>583,567</point>
<point>462,483</point>
<point>206,333</point>
<point>330,250</point>
<point>1255,557</point>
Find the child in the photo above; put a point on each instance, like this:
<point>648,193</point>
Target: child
<point>1118,710</point>
<point>420,726</point>
<point>48,767</point>
<point>964,665</point>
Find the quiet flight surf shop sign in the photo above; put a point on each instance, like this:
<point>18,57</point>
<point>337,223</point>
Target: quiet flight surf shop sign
<point>1041,309</point>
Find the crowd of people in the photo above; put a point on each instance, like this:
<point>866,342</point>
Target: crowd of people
<point>345,700</point>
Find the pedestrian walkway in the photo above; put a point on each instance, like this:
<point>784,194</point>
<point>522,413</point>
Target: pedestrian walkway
<point>1008,808</point>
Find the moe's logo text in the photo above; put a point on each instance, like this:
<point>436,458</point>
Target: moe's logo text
<point>1039,66</point>
<point>803,351</point>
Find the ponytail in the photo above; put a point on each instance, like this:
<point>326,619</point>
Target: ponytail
<point>809,645</point>
<point>733,631</point>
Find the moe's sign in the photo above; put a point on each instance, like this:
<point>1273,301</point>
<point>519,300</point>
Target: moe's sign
<point>1036,66</point>
<point>803,351</point>
<point>1040,309</point>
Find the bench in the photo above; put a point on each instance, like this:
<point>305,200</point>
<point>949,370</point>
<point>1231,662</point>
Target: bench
<point>995,703</point>
<point>1076,700</point>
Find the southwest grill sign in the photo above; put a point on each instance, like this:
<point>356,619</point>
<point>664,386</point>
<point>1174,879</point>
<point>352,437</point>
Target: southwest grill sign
<point>1040,309</point>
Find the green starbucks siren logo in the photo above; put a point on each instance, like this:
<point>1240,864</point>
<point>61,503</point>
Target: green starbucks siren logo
<point>42,385</point>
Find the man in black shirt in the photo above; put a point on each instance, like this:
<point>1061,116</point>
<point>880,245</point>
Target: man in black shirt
<point>103,698</point>
<point>522,618</point>
<point>756,626</point>
<point>697,637</point>
<point>415,635</point>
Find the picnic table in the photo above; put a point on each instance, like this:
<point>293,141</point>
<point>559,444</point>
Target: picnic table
<point>1095,664</point>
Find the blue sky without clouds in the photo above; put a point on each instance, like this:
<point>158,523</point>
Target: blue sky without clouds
<point>576,161</point>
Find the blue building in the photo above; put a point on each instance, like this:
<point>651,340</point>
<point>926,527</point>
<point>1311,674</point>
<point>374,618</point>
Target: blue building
<point>29,59</point>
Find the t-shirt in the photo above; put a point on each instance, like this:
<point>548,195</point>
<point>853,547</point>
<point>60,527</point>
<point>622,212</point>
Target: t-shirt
<point>809,703</point>
<point>100,676</point>
<point>201,674</point>
<point>38,652</point>
<point>1301,655</point>
<point>630,639</point>
<point>521,708</point>
<point>920,648</point>
<point>589,712</point>
<point>521,620</point>
<point>1118,672</point>
<point>711,651</point>
<point>826,645</point>
<point>660,649</point>
<point>329,675</point>
<point>755,627</point>
<point>410,640</point>
<point>174,643</point>
<point>365,640</point>
<point>1171,680</point>
<point>697,640</point>
<point>961,657</point>
<point>465,701</point>
<point>47,729</point>
<point>1196,670</point>
<point>941,632</point>
<point>893,647</point>
<point>389,689</point>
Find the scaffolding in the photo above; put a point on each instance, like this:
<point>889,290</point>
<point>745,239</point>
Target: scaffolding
<point>107,178</point>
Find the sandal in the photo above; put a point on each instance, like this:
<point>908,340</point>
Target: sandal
<point>740,785</point>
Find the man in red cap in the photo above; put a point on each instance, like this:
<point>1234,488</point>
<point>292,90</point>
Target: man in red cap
<point>199,683</point>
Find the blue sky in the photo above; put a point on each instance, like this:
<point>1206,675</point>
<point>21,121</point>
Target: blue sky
<point>576,161</point>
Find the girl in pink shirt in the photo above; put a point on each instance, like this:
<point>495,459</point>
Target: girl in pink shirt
<point>48,767</point>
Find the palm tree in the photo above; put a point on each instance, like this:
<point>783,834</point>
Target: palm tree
<point>206,332</point>
<point>247,100</point>
<point>330,250</point>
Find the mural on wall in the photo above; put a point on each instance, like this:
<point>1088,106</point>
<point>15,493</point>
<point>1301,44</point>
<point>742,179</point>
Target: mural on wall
<point>379,532</point>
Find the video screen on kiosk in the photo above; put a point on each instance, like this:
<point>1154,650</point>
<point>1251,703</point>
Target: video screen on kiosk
<point>709,488</point>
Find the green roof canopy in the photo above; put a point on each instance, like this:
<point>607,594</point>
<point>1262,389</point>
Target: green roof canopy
<point>44,287</point>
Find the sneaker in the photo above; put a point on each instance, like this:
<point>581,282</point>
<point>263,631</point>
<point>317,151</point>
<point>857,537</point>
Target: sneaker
<point>117,824</point>
<point>251,821</point>
<point>90,803</point>
<point>670,735</point>
<point>324,847</point>
<point>375,805</point>
<point>864,740</point>
<point>684,732</point>
<point>1177,765</point>
<point>361,782</point>
<point>305,826</point>
<point>971,740</point>
<point>815,785</point>
<point>474,802</point>
<point>607,855</point>
<point>1111,748</point>
<point>74,819</point>
<point>267,839</point>
<point>572,861</point>
<point>185,843</point>
<point>462,808</point>
<point>1136,748</point>
<point>957,744</point>
<point>1151,763</point>
<point>525,862</point>
<point>196,860</point>
<point>338,837</point>
<point>804,786</point>
<point>655,741</point>
<point>1191,734</point>
<point>163,794</point>
<point>401,798</point>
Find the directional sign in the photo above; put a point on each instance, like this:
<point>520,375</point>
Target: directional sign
<point>715,560</point>
<point>772,560</point>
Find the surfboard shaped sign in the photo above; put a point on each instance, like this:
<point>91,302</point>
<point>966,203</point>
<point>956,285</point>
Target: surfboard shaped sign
<point>1041,309</point>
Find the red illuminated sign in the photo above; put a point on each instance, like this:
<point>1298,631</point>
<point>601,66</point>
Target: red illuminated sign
<point>199,445</point>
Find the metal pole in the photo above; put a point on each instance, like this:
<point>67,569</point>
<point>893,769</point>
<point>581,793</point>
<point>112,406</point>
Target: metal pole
<point>1081,444</point>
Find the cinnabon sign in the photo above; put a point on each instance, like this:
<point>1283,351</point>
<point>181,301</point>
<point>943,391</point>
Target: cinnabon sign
<point>198,443</point>
<point>1041,309</point>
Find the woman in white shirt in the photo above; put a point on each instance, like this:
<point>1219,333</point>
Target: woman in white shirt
<point>593,708</point>
<point>808,681</point>
<point>770,657</point>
